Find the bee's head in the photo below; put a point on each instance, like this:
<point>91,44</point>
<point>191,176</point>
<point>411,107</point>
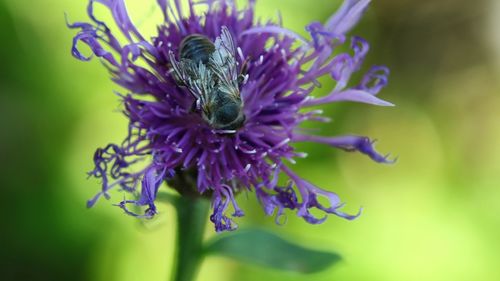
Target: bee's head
<point>226,113</point>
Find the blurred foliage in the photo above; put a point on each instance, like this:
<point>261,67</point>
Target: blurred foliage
<point>260,247</point>
<point>431,216</point>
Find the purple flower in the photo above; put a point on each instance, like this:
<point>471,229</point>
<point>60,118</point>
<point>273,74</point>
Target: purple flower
<point>169,132</point>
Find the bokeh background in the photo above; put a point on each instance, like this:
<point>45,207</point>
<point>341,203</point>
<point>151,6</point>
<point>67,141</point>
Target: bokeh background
<point>435,215</point>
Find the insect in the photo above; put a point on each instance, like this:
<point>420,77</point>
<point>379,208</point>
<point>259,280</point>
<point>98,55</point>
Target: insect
<point>209,71</point>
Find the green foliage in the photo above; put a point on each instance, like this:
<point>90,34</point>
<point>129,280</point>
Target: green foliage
<point>267,249</point>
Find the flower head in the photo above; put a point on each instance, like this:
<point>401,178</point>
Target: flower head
<point>169,129</point>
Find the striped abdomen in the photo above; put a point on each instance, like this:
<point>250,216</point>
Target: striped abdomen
<point>196,48</point>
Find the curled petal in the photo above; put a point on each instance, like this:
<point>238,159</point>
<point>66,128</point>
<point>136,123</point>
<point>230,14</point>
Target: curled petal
<point>323,38</point>
<point>91,35</point>
<point>334,201</point>
<point>347,143</point>
<point>151,182</point>
<point>309,194</point>
<point>277,199</point>
<point>341,71</point>
<point>344,65</point>
<point>360,48</point>
<point>113,160</point>
<point>276,202</point>
<point>89,38</point>
<point>375,80</point>
<point>342,68</point>
<point>220,220</point>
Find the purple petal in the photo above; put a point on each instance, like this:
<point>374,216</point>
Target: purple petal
<point>218,217</point>
<point>275,30</point>
<point>347,16</point>
<point>309,193</point>
<point>360,47</point>
<point>347,143</point>
<point>163,5</point>
<point>355,96</point>
<point>151,182</point>
<point>374,80</point>
<point>120,14</point>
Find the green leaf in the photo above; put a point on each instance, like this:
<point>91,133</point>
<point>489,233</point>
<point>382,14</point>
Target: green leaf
<point>267,249</point>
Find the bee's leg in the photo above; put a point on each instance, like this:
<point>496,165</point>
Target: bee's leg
<point>242,77</point>
<point>196,106</point>
<point>193,107</point>
<point>180,82</point>
<point>176,70</point>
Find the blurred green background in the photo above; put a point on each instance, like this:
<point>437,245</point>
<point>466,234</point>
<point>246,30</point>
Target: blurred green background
<point>435,215</point>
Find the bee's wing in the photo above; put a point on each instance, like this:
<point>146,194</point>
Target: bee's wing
<point>227,41</point>
<point>197,78</point>
<point>224,65</point>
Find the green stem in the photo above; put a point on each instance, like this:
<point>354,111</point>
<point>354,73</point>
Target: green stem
<point>191,220</point>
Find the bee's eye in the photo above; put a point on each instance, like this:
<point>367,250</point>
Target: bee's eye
<point>227,113</point>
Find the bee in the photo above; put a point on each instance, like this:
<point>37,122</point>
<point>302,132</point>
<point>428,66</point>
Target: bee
<point>209,71</point>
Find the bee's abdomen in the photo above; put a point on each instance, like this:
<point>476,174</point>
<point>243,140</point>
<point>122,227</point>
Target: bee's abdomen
<point>196,48</point>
